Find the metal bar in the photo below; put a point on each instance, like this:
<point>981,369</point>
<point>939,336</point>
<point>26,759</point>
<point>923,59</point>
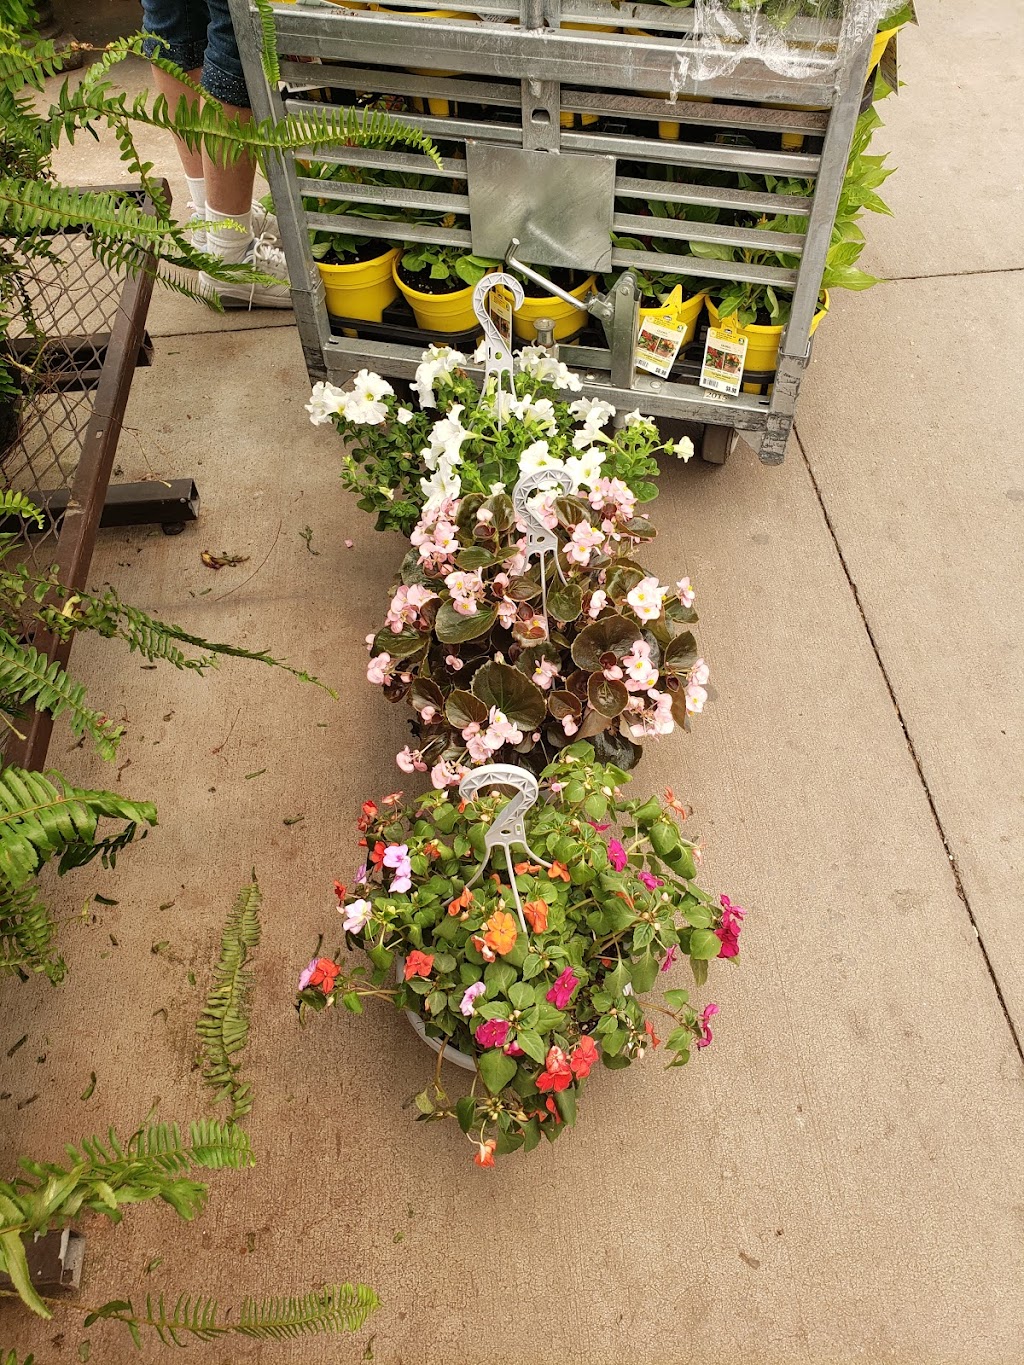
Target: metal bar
<point>443,129</point>
<point>697,265</point>
<point>713,156</point>
<point>683,228</point>
<point>678,192</point>
<point>377,227</point>
<point>385,195</point>
<point>394,161</point>
<point>160,502</point>
<point>380,81</point>
<point>808,121</point>
<point>622,61</point>
<point>88,488</point>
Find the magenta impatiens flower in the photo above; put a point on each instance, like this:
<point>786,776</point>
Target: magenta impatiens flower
<point>561,992</point>
<point>492,1033</point>
<point>729,931</point>
<point>704,1024</point>
<point>617,855</point>
<point>670,958</point>
<point>650,880</point>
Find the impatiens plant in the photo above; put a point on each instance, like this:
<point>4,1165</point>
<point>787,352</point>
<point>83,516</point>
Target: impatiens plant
<point>492,675</point>
<point>530,985</point>
<point>404,459</point>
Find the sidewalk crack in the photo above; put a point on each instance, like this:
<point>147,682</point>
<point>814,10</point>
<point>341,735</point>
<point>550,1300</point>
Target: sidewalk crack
<point>912,750</point>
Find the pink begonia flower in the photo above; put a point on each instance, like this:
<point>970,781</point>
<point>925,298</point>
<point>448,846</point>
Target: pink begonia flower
<point>507,612</point>
<point>696,696</point>
<point>640,672</point>
<point>583,540</point>
<point>406,606</point>
<point>569,726</point>
<point>646,598</point>
<point>379,670</point>
<point>686,592</point>
<point>356,914</point>
<point>613,493</point>
<point>597,604</point>
<point>470,995</point>
<point>670,958</point>
<point>454,662</point>
<point>656,720</point>
<point>561,992</point>
<point>651,881</point>
<point>305,974</point>
<point>617,855</point>
<point>492,1033</point>
<point>501,730</point>
<point>545,673</point>
<point>397,858</point>
<point>410,761</point>
<point>467,589</point>
<point>729,931</point>
<point>700,673</point>
<point>476,744</point>
<point>443,775</point>
<point>704,1024</point>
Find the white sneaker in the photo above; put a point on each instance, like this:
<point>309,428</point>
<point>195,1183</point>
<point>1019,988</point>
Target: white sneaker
<point>263,222</point>
<point>262,254</point>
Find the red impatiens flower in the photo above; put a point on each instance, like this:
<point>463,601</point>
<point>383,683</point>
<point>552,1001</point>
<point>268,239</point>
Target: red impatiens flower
<point>370,813</point>
<point>729,930</point>
<point>557,1074</point>
<point>321,972</point>
<point>485,1153</point>
<point>649,1029</point>
<point>584,1057</point>
<point>418,964</point>
<point>341,891</point>
<point>377,854</point>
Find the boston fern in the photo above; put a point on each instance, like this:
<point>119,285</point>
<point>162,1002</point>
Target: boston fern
<point>223,1026</point>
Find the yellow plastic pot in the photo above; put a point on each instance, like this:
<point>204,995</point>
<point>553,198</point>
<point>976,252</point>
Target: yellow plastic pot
<point>360,290</point>
<point>792,142</point>
<point>438,312</point>
<point>685,312</point>
<point>763,342</point>
<point>567,319</point>
<point>439,108</point>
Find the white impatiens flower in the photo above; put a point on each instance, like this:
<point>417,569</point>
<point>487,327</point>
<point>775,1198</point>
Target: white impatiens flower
<point>538,456</point>
<point>324,402</point>
<point>437,361</point>
<point>364,403</point>
<point>585,468</point>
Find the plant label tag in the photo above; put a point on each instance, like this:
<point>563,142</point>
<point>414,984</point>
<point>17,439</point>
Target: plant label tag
<point>658,343</point>
<point>500,306</point>
<point>724,354</point>
<point>889,65</point>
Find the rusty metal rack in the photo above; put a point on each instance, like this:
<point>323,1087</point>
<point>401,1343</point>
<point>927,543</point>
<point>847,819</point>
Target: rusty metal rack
<point>92,324</point>
<point>545,119</point>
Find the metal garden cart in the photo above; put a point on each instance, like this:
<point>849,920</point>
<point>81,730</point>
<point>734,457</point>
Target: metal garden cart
<point>550,125</point>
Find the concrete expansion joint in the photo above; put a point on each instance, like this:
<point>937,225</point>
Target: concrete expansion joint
<point>911,747</point>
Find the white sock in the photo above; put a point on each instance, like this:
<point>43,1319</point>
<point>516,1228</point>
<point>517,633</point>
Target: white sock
<point>197,195</point>
<point>229,243</point>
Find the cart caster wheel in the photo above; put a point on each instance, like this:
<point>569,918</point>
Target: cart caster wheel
<point>172,528</point>
<point>717,444</point>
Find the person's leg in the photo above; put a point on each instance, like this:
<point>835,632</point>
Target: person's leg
<point>181,27</point>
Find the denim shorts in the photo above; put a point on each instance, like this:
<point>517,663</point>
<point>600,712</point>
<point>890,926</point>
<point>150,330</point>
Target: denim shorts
<point>198,34</point>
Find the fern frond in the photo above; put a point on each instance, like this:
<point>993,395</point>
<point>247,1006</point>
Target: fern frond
<point>14,504</point>
<point>42,817</point>
<point>27,676</point>
<point>271,63</point>
<point>26,935</point>
<point>335,1308</point>
<point>223,1026</point>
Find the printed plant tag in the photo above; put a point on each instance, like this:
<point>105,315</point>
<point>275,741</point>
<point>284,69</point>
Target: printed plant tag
<point>889,65</point>
<point>500,306</point>
<point>657,345</point>
<point>724,354</point>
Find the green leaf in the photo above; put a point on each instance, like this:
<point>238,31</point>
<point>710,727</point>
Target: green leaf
<point>501,685</point>
<point>402,646</point>
<point>521,995</point>
<point>644,971</point>
<point>612,635</point>
<point>496,1070</point>
<point>677,999</point>
<point>465,1112</point>
<point>704,944</point>
<point>664,837</point>
<point>566,1101</point>
<point>500,976</point>
<point>462,709</point>
<point>681,654</point>
<point>565,601</point>
<point>16,1264</point>
<point>532,1044</point>
<point>452,628</point>
<point>607,696</point>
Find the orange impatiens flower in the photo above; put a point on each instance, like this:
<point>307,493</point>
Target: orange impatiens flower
<point>501,932</point>
<point>368,816</point>
<point>485,1153</point>
<point>584,1057</point>
<point>677,806</point>
<point>536,913</point>
<point>461,903</point>
<point>530,868</point>
<point>432,849</point>
<point>649,1030</point>
<point>486,953</point>
<point>418,964</point>
<point>392,799</point>
<point>558,870</point>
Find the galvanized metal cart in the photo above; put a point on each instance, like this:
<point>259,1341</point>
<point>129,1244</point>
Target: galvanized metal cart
<point>550,124</point>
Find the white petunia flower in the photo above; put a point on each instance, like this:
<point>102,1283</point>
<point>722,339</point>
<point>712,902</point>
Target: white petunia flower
<point>324,402</point>
<point>538,456</point>
<point>586,468</point>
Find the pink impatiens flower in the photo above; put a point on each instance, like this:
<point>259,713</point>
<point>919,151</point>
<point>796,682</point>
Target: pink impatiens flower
<point>397,858</point>
<point>729,930</point>
<point>704,1024</point>
<point>651,882</point>
<point>469,996</point>
<point>492,1033</point>
<point>670,958</point>
<point>356,914</point>
<point>617,855</point>
<point>561,992</point>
